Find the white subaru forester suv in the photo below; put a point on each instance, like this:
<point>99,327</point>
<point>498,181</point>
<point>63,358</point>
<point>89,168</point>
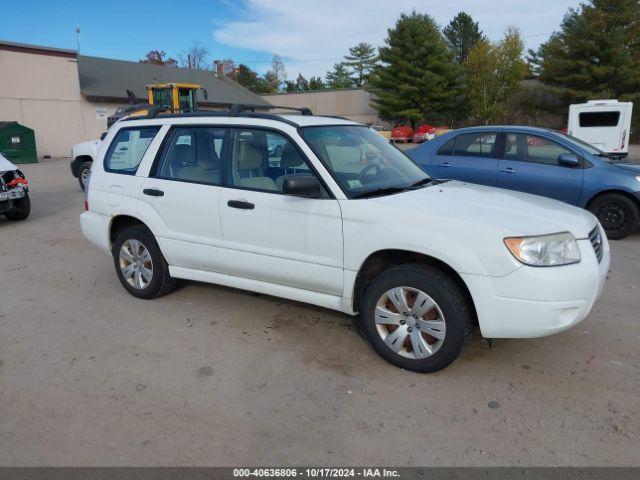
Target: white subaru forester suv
<point>324,211</point>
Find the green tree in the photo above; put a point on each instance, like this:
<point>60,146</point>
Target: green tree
<point>302,84</point>
<point>252,81</point>
<point>462,34</point>
<point>494,73</point>
<point>418,77</point>
<point>339,77</point>
<point>596,53</point>
<point>362,59</point>
<point>316,83</point>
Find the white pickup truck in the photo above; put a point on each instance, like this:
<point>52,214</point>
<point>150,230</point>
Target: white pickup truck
<point>82,155</point>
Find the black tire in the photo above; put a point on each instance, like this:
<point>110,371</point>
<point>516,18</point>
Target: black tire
<point>21,209</point>
<point>617,213</point>
<point>447,295</point>
<point>84,169</point>
<point>161,282</point>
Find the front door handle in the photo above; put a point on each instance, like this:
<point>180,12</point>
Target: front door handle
<point>508,170</point>
<point>445,164</point>
<point>154,192</point>
<point>241,204</point>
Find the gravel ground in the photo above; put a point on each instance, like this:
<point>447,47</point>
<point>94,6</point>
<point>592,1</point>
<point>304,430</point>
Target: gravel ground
<point>213,376</point>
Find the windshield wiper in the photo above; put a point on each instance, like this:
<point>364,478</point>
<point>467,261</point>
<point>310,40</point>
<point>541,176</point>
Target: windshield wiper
<point>422,182</point>
<point>380,191</point>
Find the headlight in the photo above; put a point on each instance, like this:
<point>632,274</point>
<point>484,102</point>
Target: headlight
<point>545,250</point>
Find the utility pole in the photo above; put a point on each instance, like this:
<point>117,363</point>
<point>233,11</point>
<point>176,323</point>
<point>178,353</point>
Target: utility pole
<point>78,38</point>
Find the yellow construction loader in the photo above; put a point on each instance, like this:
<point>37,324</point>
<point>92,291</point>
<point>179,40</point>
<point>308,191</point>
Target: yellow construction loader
<point>161,98</point>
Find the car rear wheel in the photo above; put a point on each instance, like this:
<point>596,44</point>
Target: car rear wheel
<point>140,265</point>
<point>21,209</point>
<point>618,214</point>
<point>416,317</point>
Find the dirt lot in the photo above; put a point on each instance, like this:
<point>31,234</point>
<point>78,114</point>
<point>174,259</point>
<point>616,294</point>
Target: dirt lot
<point>212,376</point>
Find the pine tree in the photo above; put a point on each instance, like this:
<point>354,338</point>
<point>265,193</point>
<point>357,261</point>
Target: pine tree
<point>339,77</point>
<point>462,34</point>
<point>596,53</point>
<point>362,59</point>
<point>250,79</point>
<point>418,77</point>
<point>316,83</point>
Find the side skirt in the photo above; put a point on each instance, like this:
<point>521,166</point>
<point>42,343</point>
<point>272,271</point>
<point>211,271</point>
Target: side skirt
<point>305,296</point>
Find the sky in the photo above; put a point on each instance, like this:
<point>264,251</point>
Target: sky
<point>310,35</point>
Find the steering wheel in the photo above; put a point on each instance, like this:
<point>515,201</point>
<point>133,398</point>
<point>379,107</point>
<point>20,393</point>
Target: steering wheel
<point>366,169</point>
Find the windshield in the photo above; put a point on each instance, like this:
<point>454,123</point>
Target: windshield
<point>362,161</point>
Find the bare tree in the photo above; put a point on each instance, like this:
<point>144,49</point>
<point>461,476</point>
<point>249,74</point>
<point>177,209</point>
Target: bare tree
<point>277,75</point>
<point>195,57</point>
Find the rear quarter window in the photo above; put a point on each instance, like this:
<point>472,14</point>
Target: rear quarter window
<point>127,149</point>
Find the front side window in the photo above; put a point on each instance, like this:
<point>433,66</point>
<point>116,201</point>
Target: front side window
<point>531,148</point>
<point>263,160</point>
<point>127,149</point>
<point>599,119</point>
<point>193,154</point>
<point>361,160</point>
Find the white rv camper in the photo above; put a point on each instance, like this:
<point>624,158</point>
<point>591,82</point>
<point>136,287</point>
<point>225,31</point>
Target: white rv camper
<point>605,124</point>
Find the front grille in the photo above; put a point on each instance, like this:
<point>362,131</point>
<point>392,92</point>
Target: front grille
<point>595,237</point>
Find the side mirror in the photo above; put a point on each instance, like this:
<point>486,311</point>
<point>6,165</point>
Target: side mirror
<point>306,186</point>
<point>568,160</point>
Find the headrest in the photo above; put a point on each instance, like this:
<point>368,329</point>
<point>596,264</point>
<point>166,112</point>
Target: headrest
<point>183,154</point>
<point>249,156</point>
<point>291,157</point>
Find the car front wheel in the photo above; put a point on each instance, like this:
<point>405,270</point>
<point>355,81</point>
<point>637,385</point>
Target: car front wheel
<point>140,265</point>
<point>618,214</point>
<point>83,174</point>
<point>416,317</point>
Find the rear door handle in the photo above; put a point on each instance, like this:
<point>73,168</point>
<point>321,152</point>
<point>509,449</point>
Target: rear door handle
<point>508,170</point>
<point>241,204</point>
<point>445,164</point>
<point>154,192</point>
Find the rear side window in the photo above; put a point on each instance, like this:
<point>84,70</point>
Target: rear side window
<point>599,119</point>
<point>475,145</point>
<point>470,145</point>
<point>447,148</point>
<point>193,154</point>
<point>127,149</point>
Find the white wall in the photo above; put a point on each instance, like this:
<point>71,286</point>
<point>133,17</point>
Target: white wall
<point>43,92</point>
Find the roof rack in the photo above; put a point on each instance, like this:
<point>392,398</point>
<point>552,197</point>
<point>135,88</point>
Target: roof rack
<point>238,108</point>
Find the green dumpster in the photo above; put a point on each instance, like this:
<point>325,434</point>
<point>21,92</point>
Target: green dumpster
<point>18,143</point>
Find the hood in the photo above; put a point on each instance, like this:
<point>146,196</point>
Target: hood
<point>6,165</point>
<point>511,213</point>
<point>631,167</point>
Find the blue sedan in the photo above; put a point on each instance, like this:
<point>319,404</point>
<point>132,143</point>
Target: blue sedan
<point>543,162</point>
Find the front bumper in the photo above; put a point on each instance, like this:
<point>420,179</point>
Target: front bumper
<point>539,301</point>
